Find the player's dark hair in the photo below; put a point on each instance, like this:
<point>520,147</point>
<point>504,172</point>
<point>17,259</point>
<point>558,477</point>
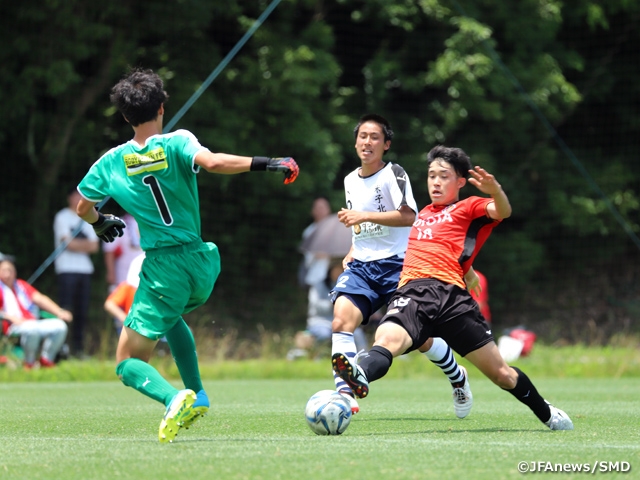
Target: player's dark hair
<point>138,96</point>
<point>380,120</point>
<point>456,157</point>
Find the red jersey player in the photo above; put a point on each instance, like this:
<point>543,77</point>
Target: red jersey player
<point>432,299</point>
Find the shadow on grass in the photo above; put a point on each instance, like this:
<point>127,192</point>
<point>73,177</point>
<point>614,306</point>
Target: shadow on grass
<point>373,421</point>
<point>452,430</point>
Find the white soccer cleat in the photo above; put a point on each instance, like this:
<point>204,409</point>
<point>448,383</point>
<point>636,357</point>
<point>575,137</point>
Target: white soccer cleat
<point>559,420</point>
<point>462,397</point>
<point>353,403</point>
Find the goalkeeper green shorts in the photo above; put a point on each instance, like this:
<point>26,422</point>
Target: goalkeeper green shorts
<point>173,281</point>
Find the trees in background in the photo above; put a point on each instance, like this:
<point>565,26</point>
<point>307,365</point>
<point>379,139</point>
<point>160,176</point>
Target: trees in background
<point>542,93</point>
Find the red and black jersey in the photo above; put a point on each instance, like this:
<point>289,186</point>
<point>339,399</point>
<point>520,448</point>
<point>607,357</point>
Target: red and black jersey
<point>445,239</point>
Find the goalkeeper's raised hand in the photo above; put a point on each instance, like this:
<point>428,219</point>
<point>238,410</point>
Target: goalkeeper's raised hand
<point>108,227</point>
<point>287,165</point>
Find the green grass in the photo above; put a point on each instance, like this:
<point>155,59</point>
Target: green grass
<point>256,430</point>
<point>547,361</point>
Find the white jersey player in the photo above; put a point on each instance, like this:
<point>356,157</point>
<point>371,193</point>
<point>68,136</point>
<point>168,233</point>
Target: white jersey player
<point>387,190</point>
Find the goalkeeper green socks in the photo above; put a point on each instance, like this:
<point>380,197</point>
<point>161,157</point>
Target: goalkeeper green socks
<point>183,349</point>
<point>144,378</point>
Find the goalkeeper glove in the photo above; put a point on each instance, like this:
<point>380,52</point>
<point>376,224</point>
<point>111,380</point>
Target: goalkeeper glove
<point>286,164</point>
<point>108,227</point>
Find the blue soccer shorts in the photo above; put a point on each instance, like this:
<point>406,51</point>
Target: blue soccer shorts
<point>369,285</point>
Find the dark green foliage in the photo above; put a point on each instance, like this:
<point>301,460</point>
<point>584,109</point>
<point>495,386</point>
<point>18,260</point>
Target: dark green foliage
<point>498,79</point>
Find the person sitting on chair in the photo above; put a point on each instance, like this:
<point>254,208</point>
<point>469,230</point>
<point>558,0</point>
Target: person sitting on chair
<point>19,311</point>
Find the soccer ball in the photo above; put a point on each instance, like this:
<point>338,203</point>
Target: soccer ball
<point>328,413</point>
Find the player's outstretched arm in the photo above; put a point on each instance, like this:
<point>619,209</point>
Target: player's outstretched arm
<point>403,217</point>
<point>487,183</point>
<point>228,164</point>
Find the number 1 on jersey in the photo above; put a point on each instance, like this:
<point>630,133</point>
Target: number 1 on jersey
<point>158,196</point>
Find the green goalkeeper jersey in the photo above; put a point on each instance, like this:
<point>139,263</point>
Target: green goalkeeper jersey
<point>155,183</point>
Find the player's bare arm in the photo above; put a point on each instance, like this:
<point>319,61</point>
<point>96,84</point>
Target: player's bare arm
<point>223,163</point>
<point>472,281</point>
<point>86,211</point>
<point>228,164</point>
<point>486,183</point>
<point>403,217</point>
<point>108,227</point>
<point>347,258</point>
<point>114,310</point>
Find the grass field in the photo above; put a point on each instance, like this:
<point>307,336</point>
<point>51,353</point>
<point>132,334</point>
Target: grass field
<point>256,430</point>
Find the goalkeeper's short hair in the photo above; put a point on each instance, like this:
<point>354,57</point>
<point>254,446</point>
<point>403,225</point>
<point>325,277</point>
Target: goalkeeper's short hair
<point>139,95</point>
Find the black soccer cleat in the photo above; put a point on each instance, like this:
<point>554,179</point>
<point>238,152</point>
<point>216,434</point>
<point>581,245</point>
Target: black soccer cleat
<point>351,373</point>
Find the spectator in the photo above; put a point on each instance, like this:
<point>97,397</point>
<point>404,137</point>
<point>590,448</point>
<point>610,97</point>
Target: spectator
<point>120,300</point>
<point>315,265</point>
<point>320,316</point>
<point>119,254</point>
<point>74,268</point>
<point>19,310</point>
<point>320,210</point>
